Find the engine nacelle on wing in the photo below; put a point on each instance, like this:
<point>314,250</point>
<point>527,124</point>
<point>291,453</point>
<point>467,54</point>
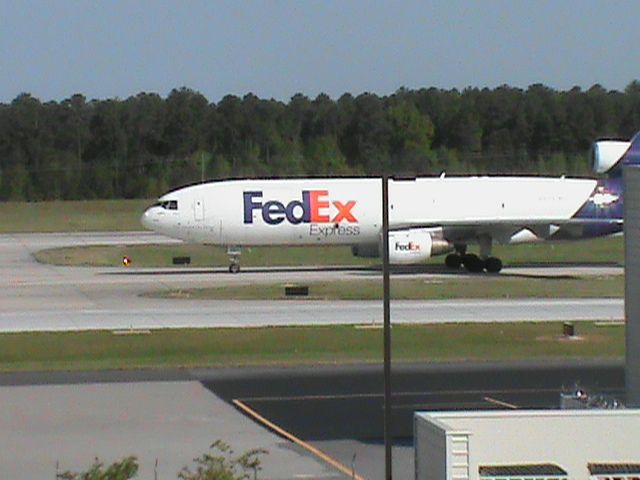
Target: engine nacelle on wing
<point>606,153</point>
<point>413,245</point>
<point>409,246</point>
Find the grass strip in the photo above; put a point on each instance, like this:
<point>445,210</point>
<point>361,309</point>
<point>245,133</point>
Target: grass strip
<point>201,256</point>
<point>603,250</point>
<point>71,216</point>
<point>303,345</point>
<point>418,289</point>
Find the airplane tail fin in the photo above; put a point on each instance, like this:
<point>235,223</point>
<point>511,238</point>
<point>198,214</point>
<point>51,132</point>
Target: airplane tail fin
<point>630,157</point>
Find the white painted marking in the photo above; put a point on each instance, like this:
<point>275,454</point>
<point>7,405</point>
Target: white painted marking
<point>500,403</point>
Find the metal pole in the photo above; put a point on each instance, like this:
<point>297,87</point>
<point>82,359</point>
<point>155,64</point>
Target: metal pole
<point>388,440</point>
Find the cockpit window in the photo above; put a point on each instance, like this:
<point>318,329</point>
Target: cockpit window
<point>167,204</point>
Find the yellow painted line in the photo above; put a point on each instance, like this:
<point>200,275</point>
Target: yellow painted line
<point>289,436</point>
<point>501,403</point>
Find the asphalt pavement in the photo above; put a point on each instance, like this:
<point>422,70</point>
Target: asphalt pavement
<point>68,418</point>
<point>339,409</point>
<point>37,297</point>
<point>173,415</point>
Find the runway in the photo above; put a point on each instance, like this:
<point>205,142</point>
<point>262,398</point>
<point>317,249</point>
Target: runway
<point>36,297</point>
<point>238,314</point>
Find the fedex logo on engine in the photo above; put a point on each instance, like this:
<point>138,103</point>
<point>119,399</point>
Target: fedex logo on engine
<point>407,247</point>
<point>314,207</point>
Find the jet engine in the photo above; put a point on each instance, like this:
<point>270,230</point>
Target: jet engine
<point>408,246</point>
<point>606,153</point>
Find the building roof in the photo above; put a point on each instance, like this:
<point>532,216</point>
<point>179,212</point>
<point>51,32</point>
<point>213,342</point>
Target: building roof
<point>445,416</point>
<point>613,468</point>
<point>521,470</point>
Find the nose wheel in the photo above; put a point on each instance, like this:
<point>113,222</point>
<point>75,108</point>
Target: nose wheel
<point>234,258</point>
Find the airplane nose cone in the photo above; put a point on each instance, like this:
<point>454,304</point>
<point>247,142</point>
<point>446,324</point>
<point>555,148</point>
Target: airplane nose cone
<point>147,219</point>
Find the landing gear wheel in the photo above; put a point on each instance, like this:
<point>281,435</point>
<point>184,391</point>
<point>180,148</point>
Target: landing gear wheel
<point>234,252</point>
<point>493,264</point>
<point>473,263</point>
<point>453,261</point>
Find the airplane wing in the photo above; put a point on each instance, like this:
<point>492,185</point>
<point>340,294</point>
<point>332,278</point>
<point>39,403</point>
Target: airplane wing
<point>502,231</point>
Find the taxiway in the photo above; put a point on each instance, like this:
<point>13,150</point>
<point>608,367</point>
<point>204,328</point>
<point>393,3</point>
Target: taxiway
<point>37,297</point>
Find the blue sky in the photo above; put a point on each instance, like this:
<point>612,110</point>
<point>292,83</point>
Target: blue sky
<point>106,49</point>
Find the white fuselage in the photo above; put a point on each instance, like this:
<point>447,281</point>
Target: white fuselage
<point>348,210</point>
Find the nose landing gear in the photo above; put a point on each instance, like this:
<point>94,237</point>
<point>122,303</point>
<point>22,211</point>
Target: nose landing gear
<point>234,258</point>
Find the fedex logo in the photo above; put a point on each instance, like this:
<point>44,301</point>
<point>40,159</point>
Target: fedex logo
<point>408,247</point>
<point>315,207</point>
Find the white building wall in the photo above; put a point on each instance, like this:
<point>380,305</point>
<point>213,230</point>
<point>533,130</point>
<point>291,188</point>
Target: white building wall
<point>458,456</point>
<point>431,462</point>
<point>570,439</point>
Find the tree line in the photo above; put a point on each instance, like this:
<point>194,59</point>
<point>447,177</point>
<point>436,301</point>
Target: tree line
<point>145,145</point>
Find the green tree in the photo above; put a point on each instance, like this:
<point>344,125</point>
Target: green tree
<point>15,181</point>
<point>132,148</point>
<point>120,470</point>
<point>28,137</point>
<point>76,114</point>
<point>264,127</point>
<point>323,157</point>
<point>323,118</point>
<point>221,167</point>
<point>185,115</point>
<point>631,112</point>
<point>366,137</point>
<point>221,464</point>
<point>108,147</point>
<point>410,138</point>
<point>580,121</point>
<point>410,130</point>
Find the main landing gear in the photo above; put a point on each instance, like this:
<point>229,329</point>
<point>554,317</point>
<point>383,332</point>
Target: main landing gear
<point>474,263</point>
<point>234,258</point>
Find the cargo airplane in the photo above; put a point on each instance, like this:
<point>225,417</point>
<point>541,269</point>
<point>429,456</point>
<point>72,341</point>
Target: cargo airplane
<point>428,216</point>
